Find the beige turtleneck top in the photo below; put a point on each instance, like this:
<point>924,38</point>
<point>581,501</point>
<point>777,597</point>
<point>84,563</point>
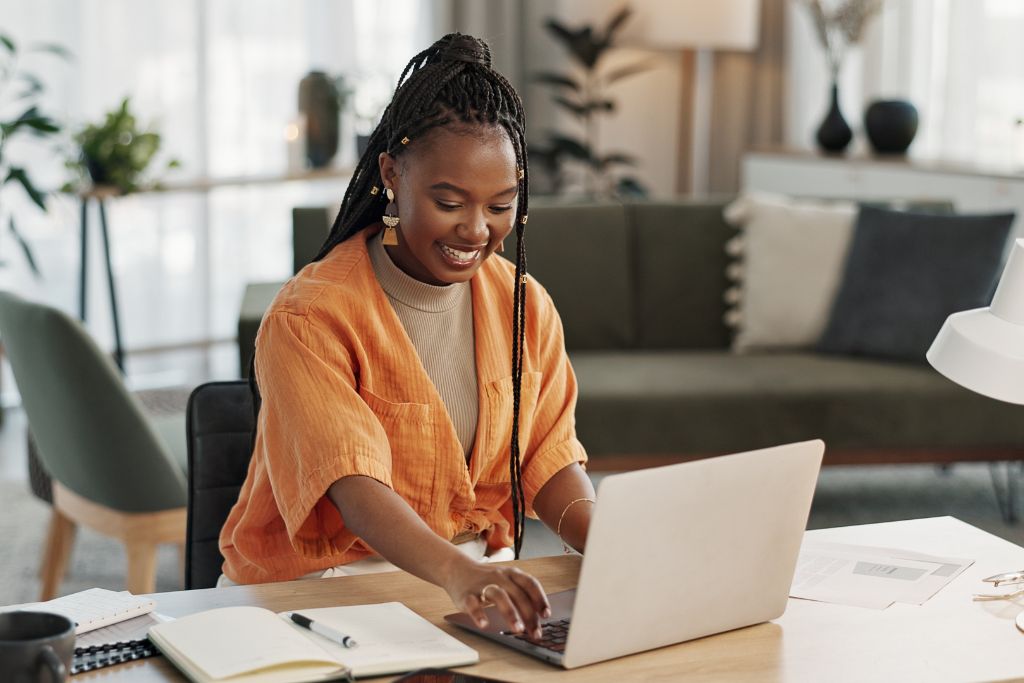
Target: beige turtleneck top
<point>439,321</point>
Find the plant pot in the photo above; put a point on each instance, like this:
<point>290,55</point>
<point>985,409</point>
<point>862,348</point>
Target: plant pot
<point>834,134</point>
<point>318,100</point>
<point>891,125</point>
<point>99,174</point>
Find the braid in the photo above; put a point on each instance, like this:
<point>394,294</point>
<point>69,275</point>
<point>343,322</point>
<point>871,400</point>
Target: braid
<point>450,82</point>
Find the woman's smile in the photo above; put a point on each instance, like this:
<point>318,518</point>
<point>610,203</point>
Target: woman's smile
<point>460,256</point>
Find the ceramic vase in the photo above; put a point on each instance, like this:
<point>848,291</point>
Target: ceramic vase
<point>834,133</point>
<point>891,125</point>
<point>318,100</point>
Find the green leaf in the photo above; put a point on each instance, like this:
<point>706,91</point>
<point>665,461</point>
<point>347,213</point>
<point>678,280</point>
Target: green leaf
<point>8,43</point>
<point>617,158</point>
<point>630,187</point>
<point>43,125</point>
<point>52,48</point>
<point>616,22</point>
<point>35,195</point>
<point>25,248</point>
<point>34,86</point>
<point>580,43</point>
<point>551,78</point>
<point>626,71</point>
<point>575,107</point>
<point>571,147</point>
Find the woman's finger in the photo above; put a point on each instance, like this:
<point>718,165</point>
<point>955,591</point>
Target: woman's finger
<point>500,598</point>
<point>475,609</point>
<point>531,586</point>
<point>524,604</point>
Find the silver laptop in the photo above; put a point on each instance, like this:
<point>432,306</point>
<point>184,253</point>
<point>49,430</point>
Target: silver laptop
<point>679,552</point>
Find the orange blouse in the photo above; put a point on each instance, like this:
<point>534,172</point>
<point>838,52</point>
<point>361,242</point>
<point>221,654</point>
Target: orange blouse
<point>344,393</point>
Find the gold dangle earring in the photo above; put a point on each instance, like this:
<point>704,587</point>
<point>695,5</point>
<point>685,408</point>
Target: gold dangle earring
<point>390,218</point>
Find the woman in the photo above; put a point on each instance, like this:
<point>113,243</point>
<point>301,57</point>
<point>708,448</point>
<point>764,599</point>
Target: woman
<point>392,432</point>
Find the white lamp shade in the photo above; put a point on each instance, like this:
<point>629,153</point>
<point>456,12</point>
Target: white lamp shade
<point>677,24</point>
<point>983,349</point>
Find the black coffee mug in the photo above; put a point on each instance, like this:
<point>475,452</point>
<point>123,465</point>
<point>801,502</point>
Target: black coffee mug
<point>35,647</point>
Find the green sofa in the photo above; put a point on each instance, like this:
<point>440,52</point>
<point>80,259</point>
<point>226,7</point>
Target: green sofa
<point>639,287</point>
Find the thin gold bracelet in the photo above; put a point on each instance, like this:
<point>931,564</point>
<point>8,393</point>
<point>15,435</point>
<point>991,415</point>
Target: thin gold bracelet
<point>558,527</point>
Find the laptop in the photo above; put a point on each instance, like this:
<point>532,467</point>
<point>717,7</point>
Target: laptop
<point>676,553</point>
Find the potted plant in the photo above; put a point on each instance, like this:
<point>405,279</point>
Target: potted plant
<point>584,94</point>
<point>114,154</point>
<point>21,91</point>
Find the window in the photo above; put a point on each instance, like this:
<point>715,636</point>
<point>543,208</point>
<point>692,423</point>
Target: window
<point>220,80</point>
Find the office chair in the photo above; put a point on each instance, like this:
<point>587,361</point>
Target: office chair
<point>111,471</point>
<point>219,422</point>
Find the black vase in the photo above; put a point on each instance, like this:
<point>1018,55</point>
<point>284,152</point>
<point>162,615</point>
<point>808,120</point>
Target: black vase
<point>891,125</point>
<point>834,133</point>
<point>318,100</point>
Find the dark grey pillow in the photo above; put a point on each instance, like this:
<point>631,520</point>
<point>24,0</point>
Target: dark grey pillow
<point>905,273</point>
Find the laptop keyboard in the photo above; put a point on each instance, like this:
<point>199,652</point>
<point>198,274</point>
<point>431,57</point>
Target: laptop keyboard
<point>553,635</point>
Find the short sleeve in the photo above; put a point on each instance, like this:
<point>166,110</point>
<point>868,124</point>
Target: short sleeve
<point>314,428</point>
<point>553,444</point>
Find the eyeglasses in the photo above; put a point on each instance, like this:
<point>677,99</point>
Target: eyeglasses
<point>1006,579</point>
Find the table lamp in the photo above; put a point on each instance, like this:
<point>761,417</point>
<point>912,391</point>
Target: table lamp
<point>983,349</point>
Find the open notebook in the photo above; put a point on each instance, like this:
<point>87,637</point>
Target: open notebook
<point>251,644</point>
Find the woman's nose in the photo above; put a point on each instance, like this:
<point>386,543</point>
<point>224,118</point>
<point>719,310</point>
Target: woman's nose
<point>474,229</point>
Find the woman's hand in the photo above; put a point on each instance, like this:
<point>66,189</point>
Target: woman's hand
<point>518,596</point>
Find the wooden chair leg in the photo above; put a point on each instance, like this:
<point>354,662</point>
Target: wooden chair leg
<point>59,541</point>
<point>141,567</point>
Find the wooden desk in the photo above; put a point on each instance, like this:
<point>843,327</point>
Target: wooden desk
<point>949,638</point>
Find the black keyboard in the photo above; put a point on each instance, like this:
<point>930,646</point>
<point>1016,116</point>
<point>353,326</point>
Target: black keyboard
<point>553,635</point>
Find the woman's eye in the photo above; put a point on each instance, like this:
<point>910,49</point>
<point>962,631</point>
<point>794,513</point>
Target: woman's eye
<point>501,209</point>
<point>446,206</point>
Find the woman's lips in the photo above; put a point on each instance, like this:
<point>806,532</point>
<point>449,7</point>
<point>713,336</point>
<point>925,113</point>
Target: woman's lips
<point>459,257</point>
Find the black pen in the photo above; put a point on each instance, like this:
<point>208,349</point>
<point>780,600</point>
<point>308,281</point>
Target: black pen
<point>320,629</point>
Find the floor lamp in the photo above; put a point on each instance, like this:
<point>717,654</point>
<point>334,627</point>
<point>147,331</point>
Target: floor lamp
<point>983,349</point>
<point>696,27</point>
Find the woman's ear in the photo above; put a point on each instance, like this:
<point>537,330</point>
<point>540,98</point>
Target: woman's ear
<point>388,169</point>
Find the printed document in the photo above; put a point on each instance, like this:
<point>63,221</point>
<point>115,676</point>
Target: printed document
<point>870,577</point>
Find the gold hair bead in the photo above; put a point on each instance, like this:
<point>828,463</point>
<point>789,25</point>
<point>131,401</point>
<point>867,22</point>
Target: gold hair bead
<point>523,219</point>
<point>374,190</point>
<point>523,280</point>
<point>522,174</point>
<point>405,141</point>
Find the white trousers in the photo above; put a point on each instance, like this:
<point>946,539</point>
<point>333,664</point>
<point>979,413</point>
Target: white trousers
<point>375,564</point>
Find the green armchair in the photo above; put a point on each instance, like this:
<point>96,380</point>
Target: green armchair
<point>111,470</point>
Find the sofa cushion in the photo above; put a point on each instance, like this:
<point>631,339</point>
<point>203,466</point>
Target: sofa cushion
<point>650,402</point>
<point>679,268</point>
<point>580,254</point>
<point>905,273</point>
<point>790,264</point>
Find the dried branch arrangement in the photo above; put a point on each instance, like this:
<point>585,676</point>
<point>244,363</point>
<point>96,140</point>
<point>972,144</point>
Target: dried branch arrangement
<point>840,28</point>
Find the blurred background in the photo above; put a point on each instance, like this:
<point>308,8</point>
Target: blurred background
<point>237,112</point>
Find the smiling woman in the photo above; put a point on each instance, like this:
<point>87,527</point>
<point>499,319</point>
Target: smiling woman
<point>414,397</point>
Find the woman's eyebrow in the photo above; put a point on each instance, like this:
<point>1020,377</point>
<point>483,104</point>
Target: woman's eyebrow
<point>465,193</point>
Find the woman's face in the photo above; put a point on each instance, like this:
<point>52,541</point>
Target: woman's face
<point>456,193</point>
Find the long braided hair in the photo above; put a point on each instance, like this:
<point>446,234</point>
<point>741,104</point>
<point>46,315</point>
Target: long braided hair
<point>449,83</point>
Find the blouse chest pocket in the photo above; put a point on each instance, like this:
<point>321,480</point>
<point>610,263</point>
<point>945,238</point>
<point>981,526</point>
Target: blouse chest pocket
<point>410,431</point>
<point>498,437</point>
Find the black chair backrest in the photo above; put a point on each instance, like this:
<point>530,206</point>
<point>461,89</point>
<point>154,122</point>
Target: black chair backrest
<point>219,422</point>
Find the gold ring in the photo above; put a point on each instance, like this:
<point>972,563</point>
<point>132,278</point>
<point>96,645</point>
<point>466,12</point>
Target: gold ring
<point>483,593</point>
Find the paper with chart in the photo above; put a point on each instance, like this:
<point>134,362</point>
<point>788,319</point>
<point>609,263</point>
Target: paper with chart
<point>871,577</point>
